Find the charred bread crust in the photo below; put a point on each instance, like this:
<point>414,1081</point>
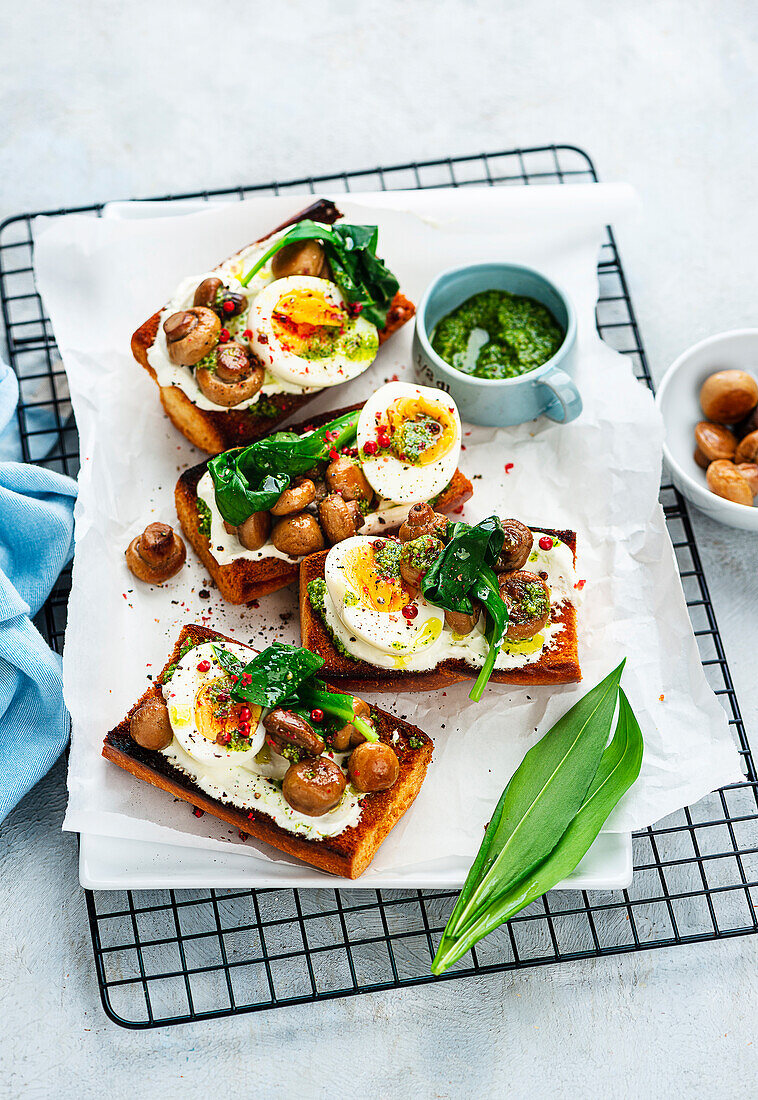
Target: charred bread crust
<point>559,665</point>
<point>348,854</point>
<point>214,432</point>
<point>243,580</point>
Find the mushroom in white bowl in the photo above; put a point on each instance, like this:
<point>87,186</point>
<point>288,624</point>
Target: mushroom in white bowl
<point>679,402</point>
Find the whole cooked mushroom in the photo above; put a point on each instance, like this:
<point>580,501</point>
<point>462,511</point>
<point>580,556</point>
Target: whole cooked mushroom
<point>237,376</point>
<point>157,554</point>
<point>517,546</point>
<point>423,520</point>
<point>340,518</point>
<point>300,258</point>
<point>150,725</point>
<point>191,334</point>
<point>725,480</point>
<point>347,479</point>
<point>296,498</point>
<point>297,535</point>
<point>728,395</point>
<point>313,786</point>
<point>527,598</point>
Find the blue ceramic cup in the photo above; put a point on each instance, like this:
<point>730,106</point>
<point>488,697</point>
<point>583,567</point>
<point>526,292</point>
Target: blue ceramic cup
<point>548,389</point>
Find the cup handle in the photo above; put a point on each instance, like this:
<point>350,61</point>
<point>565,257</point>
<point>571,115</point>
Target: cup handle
<point>565,401</point>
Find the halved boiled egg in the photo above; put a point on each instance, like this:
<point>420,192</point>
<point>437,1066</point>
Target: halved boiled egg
<point>207,722</point>
<point>373,603</point>
<point>409,439</point>
<point>304,333</point>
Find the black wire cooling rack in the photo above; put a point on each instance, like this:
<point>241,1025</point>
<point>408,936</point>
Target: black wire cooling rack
<point>166,956</point>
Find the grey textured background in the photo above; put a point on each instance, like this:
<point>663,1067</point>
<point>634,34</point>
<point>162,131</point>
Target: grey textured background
<point>104,101</point>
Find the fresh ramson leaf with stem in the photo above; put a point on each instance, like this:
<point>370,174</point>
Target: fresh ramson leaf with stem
<point>618,770</point>
<point>316,694</point>
<point>541,798</point>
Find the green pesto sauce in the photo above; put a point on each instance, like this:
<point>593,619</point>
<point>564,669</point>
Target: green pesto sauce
<point>414,437</point>
<point>328,342</point>
<point>422,552</point>
<point>317,596</point>
<point>532,603</point>
<point>203,518</point>
<point>169,672</point>
<point>387,558</point>
<point>495,334</point>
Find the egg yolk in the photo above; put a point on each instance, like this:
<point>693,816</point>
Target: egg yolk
<point>420,429</point>
<point>216,713</point>
<point>302,314</point>
<point>372,589</point>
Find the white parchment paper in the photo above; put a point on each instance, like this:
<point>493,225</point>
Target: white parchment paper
<point>101,278</point>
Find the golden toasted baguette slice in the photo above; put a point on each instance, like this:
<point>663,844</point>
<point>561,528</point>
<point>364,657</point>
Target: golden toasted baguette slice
<point>347,854</point>
<point>214,431</point>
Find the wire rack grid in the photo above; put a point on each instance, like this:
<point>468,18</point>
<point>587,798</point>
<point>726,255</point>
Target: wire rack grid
<point>164,957</point>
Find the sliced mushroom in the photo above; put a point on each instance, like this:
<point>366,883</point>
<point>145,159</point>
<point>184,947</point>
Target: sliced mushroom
<point>423,520</point>
<point>150,725</point>
<point>517,546</point>
<point>296,498</point>
<point>748,449</point>
<point>347,479</point>
<point>749,471</point>
<point>527,598</point>
<point>298,535</point>
<point>299,258</point>
<point>157,554</point>
<point>289,728</point>
<point>237,376</point>
<point>728,395</point>
<point>714,441</point>
<point>340,518</point>
<point>313,787</point>
<point>191,335</point>
<point>255,530</point>
<point>726,481</point>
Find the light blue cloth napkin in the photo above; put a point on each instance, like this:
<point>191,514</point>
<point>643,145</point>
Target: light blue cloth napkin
<point>36,541</point>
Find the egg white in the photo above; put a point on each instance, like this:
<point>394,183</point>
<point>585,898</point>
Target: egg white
<point>391,478</point>
<point>180,694</point>
<point>388,631</point>
<point>284,364</point>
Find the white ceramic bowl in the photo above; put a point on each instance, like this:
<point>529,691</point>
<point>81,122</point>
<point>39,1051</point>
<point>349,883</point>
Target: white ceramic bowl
<point>678,400</point>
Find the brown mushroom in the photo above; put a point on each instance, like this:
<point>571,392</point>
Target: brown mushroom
<point>157,554</point>
<point>714,441</point>
<point>527,598</point>
<point>748,425</point>
<point>298,535</point>
<point>728,395</point>
<point>207,292</point>
<point>462,623</point>
<point>314,786</point>
<point>749,471</point>
<point>254,531</point>
<point>423,520</point>
<point>373,766</point>
<point>517,546</point>
<point>747,451</point>
<point>191,334</point>
<point>237,376</point>
<point>701,460</point>
<point>416,556</point>
<point>349,734</point>
<point>340,518</point>
<point>291,729</point>
<point>726,481</point>
<point>296,498</point>
<point>347,479</point>
<point>299,258</point>
<point>150,725</point>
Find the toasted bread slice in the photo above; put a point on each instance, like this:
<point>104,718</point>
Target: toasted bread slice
<point>557,665</point>
<point>347,854</point>
<point>214,431</point>
<point>244,580</point>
